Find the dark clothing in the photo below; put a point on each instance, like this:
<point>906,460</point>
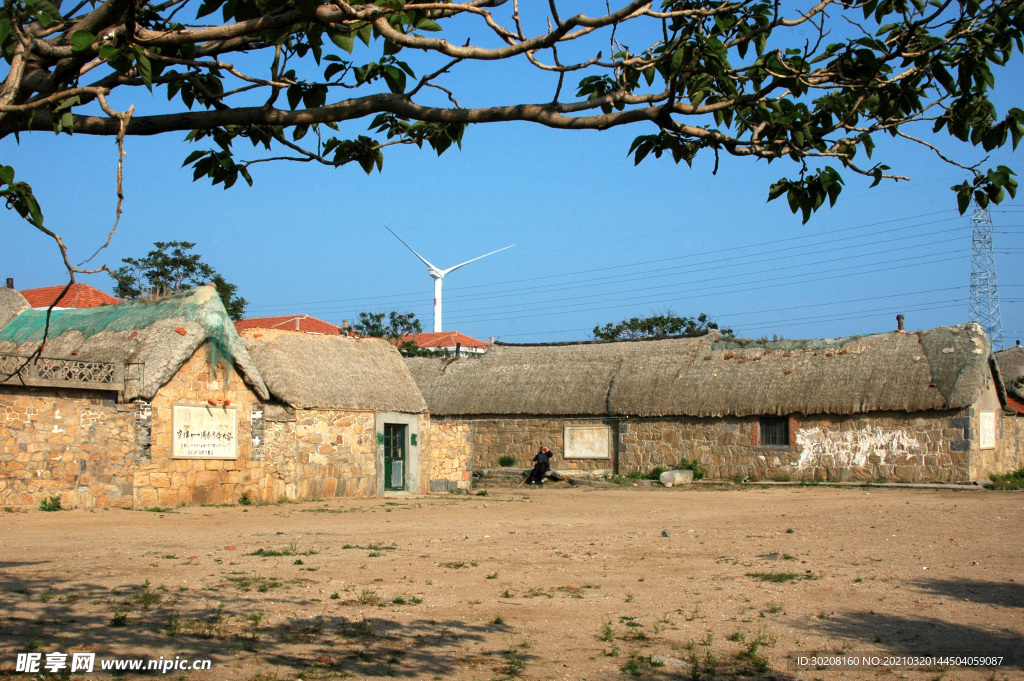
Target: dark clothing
<point>541,466</point>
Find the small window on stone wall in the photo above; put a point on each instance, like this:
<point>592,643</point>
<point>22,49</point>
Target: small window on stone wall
<point>773,431</point>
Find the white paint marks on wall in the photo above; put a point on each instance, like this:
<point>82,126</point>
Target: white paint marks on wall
<point>824,447</point>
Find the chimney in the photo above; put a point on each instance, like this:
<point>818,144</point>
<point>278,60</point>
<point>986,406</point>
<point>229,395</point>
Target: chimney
<point>297,320</point>
<point>1018,344</point>
<point>899,322</point>
<point>491,341</point>
<point>458,349</point>
<point>10,282</point>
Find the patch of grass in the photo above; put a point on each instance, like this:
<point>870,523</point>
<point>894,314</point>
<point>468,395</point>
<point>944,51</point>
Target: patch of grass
<point>790,531</point>
<point>514,665</point>
<point>119,619</point>
<point>499,620</point>
<point>506,461</point>
<point>290,550</point>
<point>774,608</point>
<point>633,666</point>
<point>508,593</point>
<point>775,577</point>
<point>607,633</point>
<point>415,600</point>
<point>737,637</point>
<point>335,596</point>
<point>493,575</point>
<point>50,504</point>
<point>482,493</point>
<point>454,565</point>
<point>1014,480</point>
<point>398,600</point>
<point>373,548</point>
<point>247,582</point>
<point>368,596</point>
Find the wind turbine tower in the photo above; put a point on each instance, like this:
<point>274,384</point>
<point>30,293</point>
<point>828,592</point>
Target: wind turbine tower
<point>438,275</point>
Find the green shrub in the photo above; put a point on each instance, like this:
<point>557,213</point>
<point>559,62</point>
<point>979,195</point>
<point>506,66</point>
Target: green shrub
<point>687,465</point>
<point>50,504</point>
<point>245,499</point>
<point>506,461</point>
<point>1014,480</point>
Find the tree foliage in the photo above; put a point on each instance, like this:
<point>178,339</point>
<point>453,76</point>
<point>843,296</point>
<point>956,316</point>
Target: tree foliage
<point>390,325</point>
<point>661,325</point>
<point>334,82</point>
<point>172,267</point>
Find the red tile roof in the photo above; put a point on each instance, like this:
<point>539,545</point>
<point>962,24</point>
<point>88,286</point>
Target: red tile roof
<point>446,339</point>
<point>79,295</point>
<point>1014,404</point>
<point>295,322</point>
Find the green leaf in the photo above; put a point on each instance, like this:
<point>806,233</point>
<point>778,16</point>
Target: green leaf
<point>5,30</point>
<point>81,40</point>
<point>145,68</point>
<point>7,174</point>
<point>345,41</point>
<point>427,25</point>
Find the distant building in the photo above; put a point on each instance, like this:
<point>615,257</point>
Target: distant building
<point>78,296</point>
<point>295,322</point>
<point>448,341</point>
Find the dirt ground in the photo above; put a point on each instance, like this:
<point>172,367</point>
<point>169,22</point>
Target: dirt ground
<point>552,583</point>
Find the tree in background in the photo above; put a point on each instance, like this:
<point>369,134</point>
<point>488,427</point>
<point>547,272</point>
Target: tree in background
<point>169,268</point>
<point>661,325</point>
<point>393,326</point>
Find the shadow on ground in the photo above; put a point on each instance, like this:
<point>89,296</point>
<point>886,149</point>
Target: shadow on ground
<point>1003,594</point>
<point>927,636</point>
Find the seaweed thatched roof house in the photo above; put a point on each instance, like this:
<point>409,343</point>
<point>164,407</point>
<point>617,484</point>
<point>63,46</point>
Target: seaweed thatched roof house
<point>348,403</point>
<point>139,404</point>
<point>145,343</point>
<point>308,371</point>
<point>865,406</point>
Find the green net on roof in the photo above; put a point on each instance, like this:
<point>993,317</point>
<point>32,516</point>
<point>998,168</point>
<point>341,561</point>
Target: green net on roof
<point>201,306</point>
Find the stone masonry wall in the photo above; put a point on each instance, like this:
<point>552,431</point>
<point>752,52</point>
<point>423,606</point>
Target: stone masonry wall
<point>522,438</point>
<point>322,454</point>
<point>163,481</point>
<point>73,444</point>
<point>449,450</point>
<point>928,446</point>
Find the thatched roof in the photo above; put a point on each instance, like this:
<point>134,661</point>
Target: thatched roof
<point>137,332</point>
<point>333,372</point>
<point>944,368</point>
<point>11,304</point>
<point>1011,366</point>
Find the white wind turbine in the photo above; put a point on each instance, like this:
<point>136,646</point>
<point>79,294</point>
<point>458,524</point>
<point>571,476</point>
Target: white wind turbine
<point>438,275</point>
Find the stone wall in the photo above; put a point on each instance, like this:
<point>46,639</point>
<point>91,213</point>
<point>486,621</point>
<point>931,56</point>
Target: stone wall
<point>449,448</point>
<point>321,454</point>
<point>164,481</point>
<point>522,438</point>
<point>927,446</point>
<point>74,444</point>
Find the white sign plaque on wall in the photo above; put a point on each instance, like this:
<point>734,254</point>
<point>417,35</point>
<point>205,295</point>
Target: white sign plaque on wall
<point>204,432</point>
<point>587,441</point>
<point>987,426</point>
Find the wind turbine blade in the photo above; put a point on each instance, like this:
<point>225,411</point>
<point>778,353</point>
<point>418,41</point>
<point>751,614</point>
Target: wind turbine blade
<point>425,261</point>
<point>452,269</point>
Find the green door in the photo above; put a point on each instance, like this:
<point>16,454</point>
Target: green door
<point>394,456</point>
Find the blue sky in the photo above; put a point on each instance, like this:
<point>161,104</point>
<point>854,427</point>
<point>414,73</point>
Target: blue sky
<point>597,238</point>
